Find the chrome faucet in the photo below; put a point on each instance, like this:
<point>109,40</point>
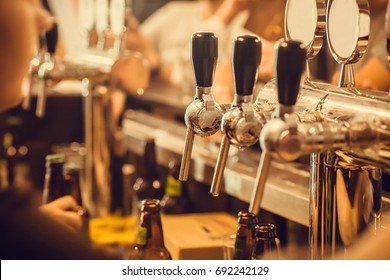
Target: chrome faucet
<point>289,66</point>
<point>346,132</point>
<point>345,187</point>
<point>40,69</point>
<point>241,124</point>
<point>203,116</point>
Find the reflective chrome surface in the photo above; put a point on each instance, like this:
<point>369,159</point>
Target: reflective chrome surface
<point>345,200</point>
<point>347,29</point>
<point>240,127</point>
<point>203,115</point>
<point>203,118</point>
<point>333,104</point>
<point>307,26</point>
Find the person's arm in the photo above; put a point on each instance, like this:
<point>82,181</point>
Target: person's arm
<point>373,75</point>
<point>29,233</point>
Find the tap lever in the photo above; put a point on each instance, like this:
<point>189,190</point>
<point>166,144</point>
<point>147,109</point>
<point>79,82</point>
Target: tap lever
<point>246,60</point>
<point>290,63</point>
<point>239,126</point>
<point>204,55</point>
<point>51,37</point>
<point>49,41</point>
<point>289,66</point>
<point>203,115</point>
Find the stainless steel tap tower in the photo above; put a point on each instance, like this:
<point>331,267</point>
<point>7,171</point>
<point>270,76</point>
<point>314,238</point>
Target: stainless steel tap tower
<point>345,130</point>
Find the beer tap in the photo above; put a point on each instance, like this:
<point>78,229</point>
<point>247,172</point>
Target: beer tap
<point>118,10</point>
<point>290,63</point>
<point>240,125</point>
<point>203,116</point>
<point>44,69</point>
<point>101,23</point>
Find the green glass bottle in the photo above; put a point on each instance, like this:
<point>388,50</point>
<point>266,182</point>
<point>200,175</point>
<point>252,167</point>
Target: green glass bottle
<point>150,239</point>
<point>176,199</point>
<point>245,235</point>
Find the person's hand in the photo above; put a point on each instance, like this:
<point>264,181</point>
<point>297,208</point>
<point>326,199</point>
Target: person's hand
<point>130,73</point>
<point>136,41</point>
<point>65,211</point>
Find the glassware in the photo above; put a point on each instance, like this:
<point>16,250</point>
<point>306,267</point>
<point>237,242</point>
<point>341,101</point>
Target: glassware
<point>245,236</point>
<point>266,244</point>
<point>150,240</point>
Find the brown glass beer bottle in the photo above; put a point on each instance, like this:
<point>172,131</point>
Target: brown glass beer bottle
<point>175,199</point>
<point>266,243</point>
<point>150,240</point>
<point>54,185</point>
<point>245,235</point>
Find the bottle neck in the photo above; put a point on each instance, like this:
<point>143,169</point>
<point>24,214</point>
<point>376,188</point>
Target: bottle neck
<point>72,181</point>
<point>54,183</point>
<point>245,241</point>
<point>150,232</point>
<point>149,162</point>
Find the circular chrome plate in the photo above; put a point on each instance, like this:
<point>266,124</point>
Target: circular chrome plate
<point>388,31</point>
<point>305,22</point>
<point>347,28</point>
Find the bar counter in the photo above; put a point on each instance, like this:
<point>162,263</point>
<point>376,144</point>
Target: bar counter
<point>159,112</point>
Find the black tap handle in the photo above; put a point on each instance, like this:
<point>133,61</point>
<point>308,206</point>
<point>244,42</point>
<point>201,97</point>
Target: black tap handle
<point>48,39</point>
<point>290,63</point>
<point>246,59</point>
<point>51,39</point>
<point>204,57</point>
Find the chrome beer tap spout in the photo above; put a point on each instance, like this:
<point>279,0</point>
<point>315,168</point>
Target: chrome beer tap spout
<point>50,39</point>
<point>289,66</point>
<point>40,65</point>
<point>240,125</point>
<point>203,116</point>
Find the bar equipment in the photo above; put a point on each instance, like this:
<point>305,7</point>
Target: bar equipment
<point>101,23</point>
<point>388,32</point>
<point>344,129</point>
<point>203,116</point>
<point>91,66</point>
<point>307,27</point>
<point>290,62</point>
<point>40,68</point>
<point>241,125</point>
<point>117,18</point>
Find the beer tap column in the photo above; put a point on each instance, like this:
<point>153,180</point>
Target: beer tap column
<point>50,38</point>
<point>203,116</point>
<point>289,66</point>
<point>240,126</point>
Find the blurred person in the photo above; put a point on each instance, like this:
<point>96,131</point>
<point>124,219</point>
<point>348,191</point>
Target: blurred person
<point>29,230</point>
<point>164,39</point>
<point>373,70</point>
